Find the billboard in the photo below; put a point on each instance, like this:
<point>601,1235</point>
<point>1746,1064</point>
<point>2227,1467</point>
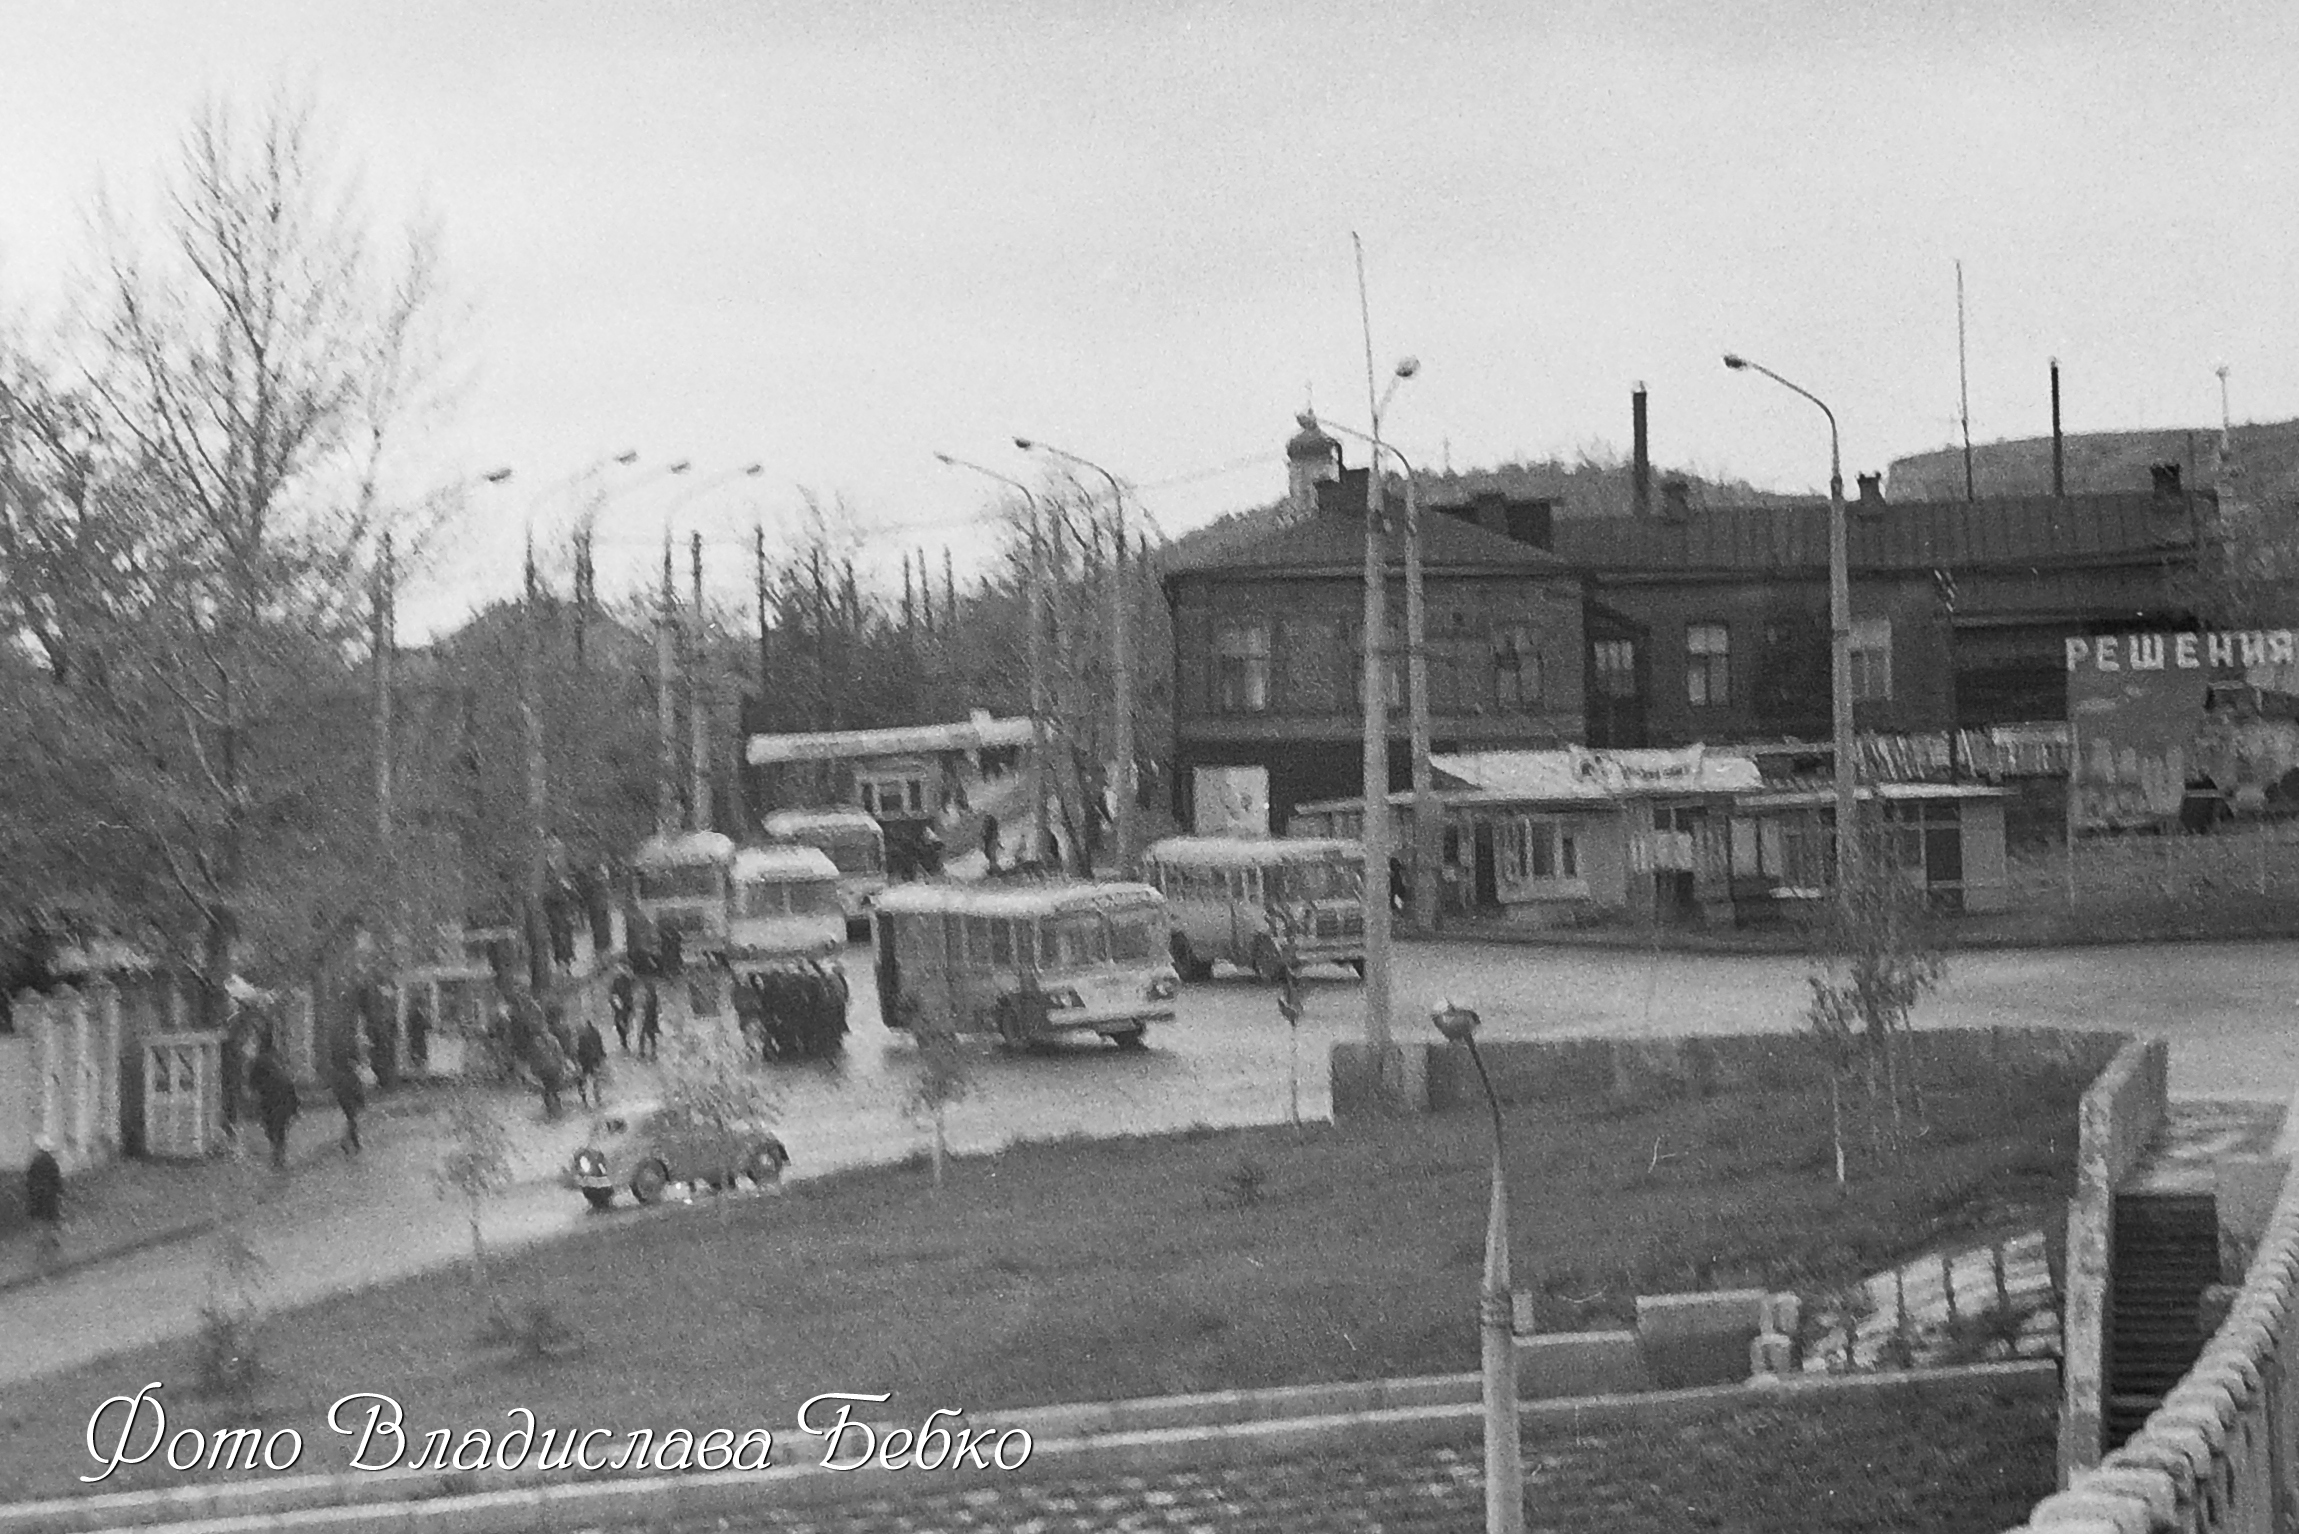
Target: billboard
<point>2162,721</point>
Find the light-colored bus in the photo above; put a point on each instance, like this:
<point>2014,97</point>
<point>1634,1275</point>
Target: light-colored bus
<point>852,840</point>
<point>1267,905</point>
<point>1026,962</point>
<point>681,884</point>
<point>783,907</point>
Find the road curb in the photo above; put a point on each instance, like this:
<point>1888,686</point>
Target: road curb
<point>1717,945</point>
<point>1091,1440</point>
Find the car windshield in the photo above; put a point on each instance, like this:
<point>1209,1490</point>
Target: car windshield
<point>1320,881</point>
<point>853,854</point>
<point>807,897</point>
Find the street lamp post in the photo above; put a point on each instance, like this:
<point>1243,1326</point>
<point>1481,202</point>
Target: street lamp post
<point>1424,880</point>
<point>1036,650</point>
<point>1496,1310</point>
<point>1839,635</point>
<point>1121,652</point>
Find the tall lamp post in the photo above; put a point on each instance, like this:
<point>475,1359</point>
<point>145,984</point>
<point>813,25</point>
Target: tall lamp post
<point>1121,652</point>
<point>1496,1310</point>
<point>1036,649</point>
<point>1424,880</point>
<point>1839,634</point>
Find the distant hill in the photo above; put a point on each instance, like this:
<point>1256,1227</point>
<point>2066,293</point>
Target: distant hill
<point>2266,453</point>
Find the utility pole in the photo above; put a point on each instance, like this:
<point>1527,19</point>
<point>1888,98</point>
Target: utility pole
<point>666,711</point>
<point>698,708</point>
<point>1963,381</point>
<point>765,640</point>
<point>380,651</point>
<point>1379,1040</point>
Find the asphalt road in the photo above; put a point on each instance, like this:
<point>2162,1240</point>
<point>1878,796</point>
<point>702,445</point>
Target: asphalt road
<point>2229,1010</point>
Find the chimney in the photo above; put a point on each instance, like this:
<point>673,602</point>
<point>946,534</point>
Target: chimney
<point>1676,498</point>
<point>1872,490</point>
<point>2166,477</point>
<point>1640,455</point>
<point>1345,495</point>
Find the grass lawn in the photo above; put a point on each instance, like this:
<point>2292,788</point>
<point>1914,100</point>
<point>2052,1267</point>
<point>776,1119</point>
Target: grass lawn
<point>1092,1270</point>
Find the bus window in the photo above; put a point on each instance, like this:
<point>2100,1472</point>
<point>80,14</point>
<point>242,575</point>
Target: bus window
<point>954,939</point>
<point>1076,941</point>
<point>695,881</point>
<point>1137,935</point>
<point>1319,881</point>
<point>1001,942</point>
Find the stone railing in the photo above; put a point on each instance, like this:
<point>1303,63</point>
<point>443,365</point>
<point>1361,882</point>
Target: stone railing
<point>2222,1452</point>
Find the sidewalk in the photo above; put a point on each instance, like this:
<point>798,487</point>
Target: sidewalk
<point>2007,930</point>
<point>132,1205</point>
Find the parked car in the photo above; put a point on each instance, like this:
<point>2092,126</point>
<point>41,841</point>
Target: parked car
<point>648,1148</point>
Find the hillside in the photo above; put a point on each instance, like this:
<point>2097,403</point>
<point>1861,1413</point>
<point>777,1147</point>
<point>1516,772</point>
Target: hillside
<point>2268,454</point>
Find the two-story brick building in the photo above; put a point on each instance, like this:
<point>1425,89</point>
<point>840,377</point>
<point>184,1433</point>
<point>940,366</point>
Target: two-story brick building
<point>1268,639</point>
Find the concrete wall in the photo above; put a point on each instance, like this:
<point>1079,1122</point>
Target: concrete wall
<point>1639,1070</point>
<point>2117,1118</point>
<point>2222,1453</point>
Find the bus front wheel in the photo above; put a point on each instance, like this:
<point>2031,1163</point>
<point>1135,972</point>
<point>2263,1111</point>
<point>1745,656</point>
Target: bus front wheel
<point>1267,966</point>
<point>1132,1039</point>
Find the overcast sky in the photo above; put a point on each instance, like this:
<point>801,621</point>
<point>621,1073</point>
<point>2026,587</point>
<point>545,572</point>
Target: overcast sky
<point>835,238</point>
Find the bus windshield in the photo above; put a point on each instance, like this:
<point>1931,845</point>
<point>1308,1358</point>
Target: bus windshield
<point>854,854</point>
<point>1074,942</point>
<point>1319,881</point>
<point>1138,935</point>
<point>694,881</point>
<point>809,897</point>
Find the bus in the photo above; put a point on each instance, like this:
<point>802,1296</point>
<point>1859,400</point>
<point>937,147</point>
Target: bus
<point>1266,905</point>
<point>852,840</point>
<point>783,907</point>
<point>682,882</point>
<point>1025,962</point>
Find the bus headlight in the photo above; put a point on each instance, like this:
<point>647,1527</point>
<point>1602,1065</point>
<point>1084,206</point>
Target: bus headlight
<point>1163,987</point>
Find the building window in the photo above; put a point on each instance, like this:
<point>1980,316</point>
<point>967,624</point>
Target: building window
<point>1241,668</point>
<point>1871,658</point>
<point>1708,665</point>
<point>1537,852</point>
<point>1309,658</point>
<point>1516,667</point>
<point>1615,668</point>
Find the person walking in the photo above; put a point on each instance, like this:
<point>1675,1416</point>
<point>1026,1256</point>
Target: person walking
<point>619,997</point>
<point>44,1202</point>
<point>590,1065</point>
<point>350,1096</point>
<point>275,1100</point>
<point>989,844</point>
<point>651,1022</point>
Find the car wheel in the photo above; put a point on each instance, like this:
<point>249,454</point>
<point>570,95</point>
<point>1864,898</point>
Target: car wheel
<point>1268,968</point>
<point>600,1197</point>
<point>765,1168</point>
<point>648,1182</point>
<point>1132,1039</point>
<point>1359,966</point>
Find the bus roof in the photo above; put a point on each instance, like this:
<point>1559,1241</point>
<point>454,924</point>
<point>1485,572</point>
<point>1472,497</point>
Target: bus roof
<point>1252,851</point>
<point>686,847</point>
<point>794,822</point>
<point>791,863</point>
<point>1050,898</point>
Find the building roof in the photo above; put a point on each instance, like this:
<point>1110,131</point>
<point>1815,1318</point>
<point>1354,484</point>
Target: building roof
<point>908,740</point>
<point>1890,793</point>
<point>1919,535</point>
<point>1250,851</point>
<point>1329,543</point>
<point>795,824</point>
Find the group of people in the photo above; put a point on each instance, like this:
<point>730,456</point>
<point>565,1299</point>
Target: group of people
<point>535,1037</point>
<point>793,1012</point>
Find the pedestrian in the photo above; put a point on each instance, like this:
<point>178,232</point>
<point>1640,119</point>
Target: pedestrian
<point>275,1100</point>
<point>44,1202</point>
<point>990,843</point>
<point>619,996</point>
<point>350,1096</point>
<point>650,1022</point>
<point>670,955</point>
<point>553,1070</point>
<point>590,1065</point>
<point>419,1036</point>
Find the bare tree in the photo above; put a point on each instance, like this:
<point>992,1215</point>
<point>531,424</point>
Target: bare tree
<point>209,491</point>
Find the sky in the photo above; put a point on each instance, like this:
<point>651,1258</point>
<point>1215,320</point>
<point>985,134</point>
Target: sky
<point>836,238</point>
